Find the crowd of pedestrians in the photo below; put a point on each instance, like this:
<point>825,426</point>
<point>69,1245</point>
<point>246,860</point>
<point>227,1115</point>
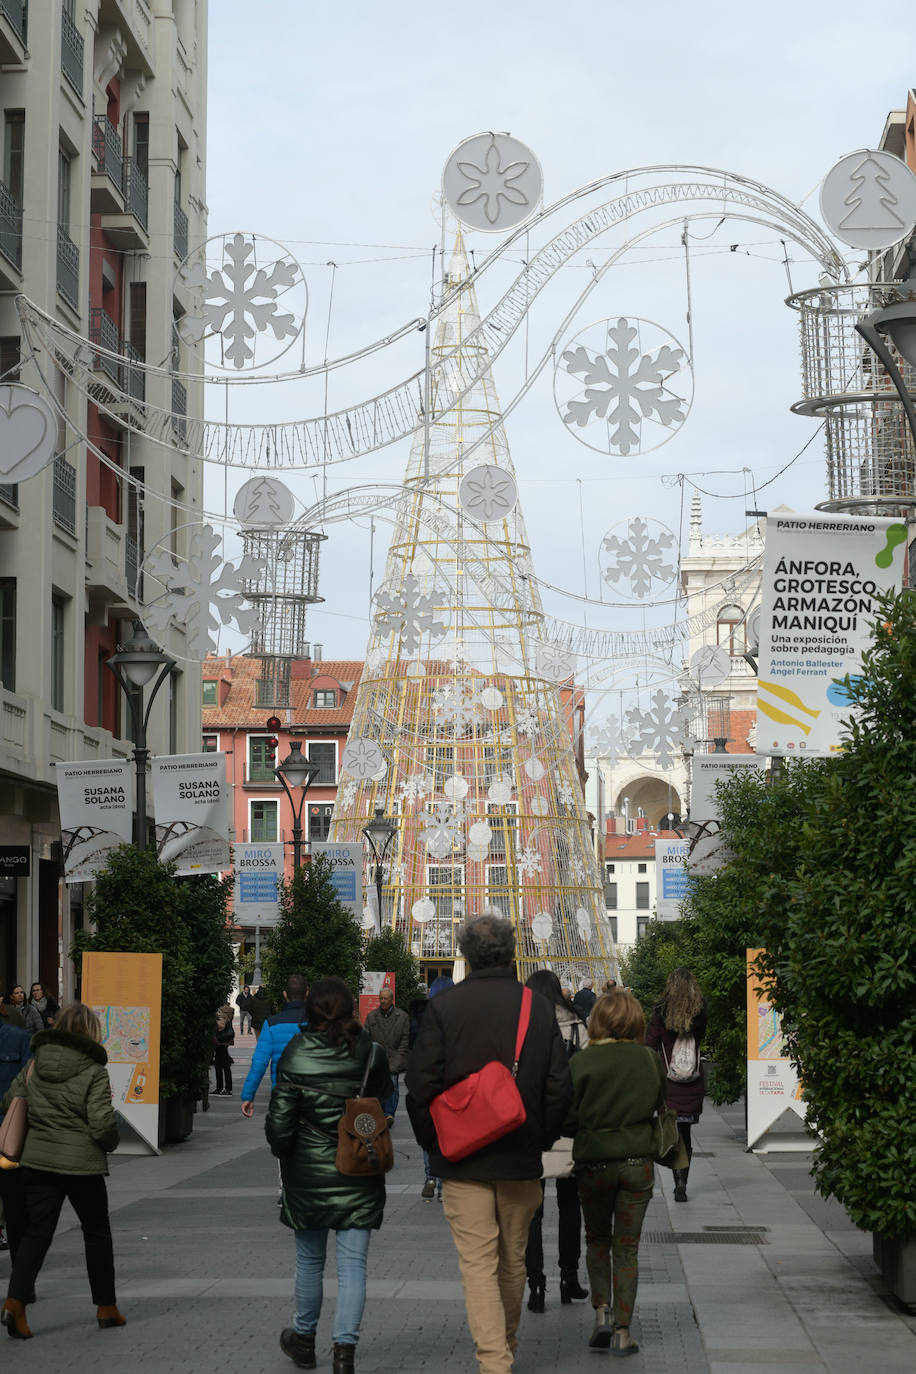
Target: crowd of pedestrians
<point>587,1082</point>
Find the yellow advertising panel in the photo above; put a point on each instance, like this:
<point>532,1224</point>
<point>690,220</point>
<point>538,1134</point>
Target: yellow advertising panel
<point>125,992</point>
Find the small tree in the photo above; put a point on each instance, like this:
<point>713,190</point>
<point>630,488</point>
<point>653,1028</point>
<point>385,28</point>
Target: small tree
<point>203,903</point>
<point>646,966</point>
<point>388,952</point>
<point>315,934</point>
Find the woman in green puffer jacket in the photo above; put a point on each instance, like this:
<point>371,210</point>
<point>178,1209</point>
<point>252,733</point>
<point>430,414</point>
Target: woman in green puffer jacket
<point>72,1129</point>
<point>322,1066</point>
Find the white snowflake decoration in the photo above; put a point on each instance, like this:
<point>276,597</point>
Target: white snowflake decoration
<point>526,722</point>
<point>202,585</point>
<point>554,663</point>
<point>457,705</point>
<point>606,740</point>
<point>239,299</point>
<point>410,613</point>
<point>583,921</point>
<point>492,182</point>
<point>363,758</point>
<point>641,558</point>
<point>622,385</point>
<point>528,862</point>
<point>346,794</point>
<point>488,493</point>
<point>443,830</point>
<point>416,787</point>
<point>661,730</point>
<point>565,790</point>
<point>577,870</point>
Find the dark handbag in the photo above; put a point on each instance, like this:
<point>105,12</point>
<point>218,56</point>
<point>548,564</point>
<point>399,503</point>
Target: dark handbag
<point>14,1128</point>
<point>364,1147</point>
<point>486,1105</point>
<point>668,1147</point>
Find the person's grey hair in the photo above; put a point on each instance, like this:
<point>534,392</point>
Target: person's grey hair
<point>487,942</point>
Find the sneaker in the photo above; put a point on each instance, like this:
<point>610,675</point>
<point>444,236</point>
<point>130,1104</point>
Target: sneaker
<point>428,1191</point>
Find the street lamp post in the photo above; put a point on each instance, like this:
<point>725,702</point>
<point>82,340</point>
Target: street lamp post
<point>134,665</point>
<point>897,322</point>
<point>379,832</point>
<point>296,771</point>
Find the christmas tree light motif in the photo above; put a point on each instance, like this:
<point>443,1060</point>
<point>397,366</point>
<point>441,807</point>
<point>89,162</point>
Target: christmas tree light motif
<point>482,780</point>
<point>871,199</point>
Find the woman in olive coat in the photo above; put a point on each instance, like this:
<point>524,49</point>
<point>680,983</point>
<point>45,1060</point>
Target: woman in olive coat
<point>322,1066</point>
<point>72,1129</point>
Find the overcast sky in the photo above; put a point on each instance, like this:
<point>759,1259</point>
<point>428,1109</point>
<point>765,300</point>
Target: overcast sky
<point>328,130</point>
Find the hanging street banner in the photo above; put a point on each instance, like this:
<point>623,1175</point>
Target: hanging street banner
<point>822,575</point>
<point>258,869</point>
<point>96,803</point>
<point>125,992</point>
<point>670,877</point>
<point>707,770</point>
<point>772,1079</point>
<point>193,809</point>
<point>347,873</point>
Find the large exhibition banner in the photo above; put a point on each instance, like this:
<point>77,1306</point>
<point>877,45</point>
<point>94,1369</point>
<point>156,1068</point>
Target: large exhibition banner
<point>258,871</point>
<point>706,771</point>
<point>773,1087</point>
<point>346,862</point>
<point>822,575</point>
<point>96,802</point>
<point>125,992</point>
<point>671,877</point>
<point>193,807</point>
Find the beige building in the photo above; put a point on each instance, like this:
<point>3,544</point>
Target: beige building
<point>102,195</point>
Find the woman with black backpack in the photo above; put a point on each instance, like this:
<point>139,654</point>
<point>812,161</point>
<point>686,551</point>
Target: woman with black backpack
<point>558,1164</point>
<point>676,1029</point>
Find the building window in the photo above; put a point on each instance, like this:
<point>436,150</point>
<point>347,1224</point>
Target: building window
<point>325,755</point>
<point>209,744</point>
<point>262,758</point>
<point>612,922</point>
<point>320,814</point>
<point>731,630</point>
<point>64,173</point>
<point>14,153</point>
<point>640,868</point>
<point>208,694</point>
<point>610,896</point>
<point>502,820</point>
<point>8,633</point>
<point>58,648</point>
<point>324,699</point>
<point>440,763</point>
<point>609,869</point>
<point>642,896</point>
<point>498,887</point>
<point>141,143</point>
<point>444,885</point>
<point>642,926</point>
<point>263,826</point>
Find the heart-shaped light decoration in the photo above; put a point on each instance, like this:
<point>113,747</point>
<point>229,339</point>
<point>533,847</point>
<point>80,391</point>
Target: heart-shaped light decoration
<point>28,433</point>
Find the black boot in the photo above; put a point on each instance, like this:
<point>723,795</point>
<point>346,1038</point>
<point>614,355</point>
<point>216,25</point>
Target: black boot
<point>570,1287</point>
<point>538,1286</point>
<point>343,1359</point>
<point>299,1347</point>
<point>680,1185</point>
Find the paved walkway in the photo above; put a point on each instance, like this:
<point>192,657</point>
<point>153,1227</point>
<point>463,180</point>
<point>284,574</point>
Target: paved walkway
<point>753,1273</point>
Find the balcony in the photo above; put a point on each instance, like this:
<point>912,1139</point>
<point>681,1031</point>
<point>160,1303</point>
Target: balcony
<point>109,585</point>
<point>133,557</point>
<point>71,52</point>
<point>14,32</point>
<point>179,411</point>
<point>9,505</point>
<point>10,236</point>
<point>104,332</point>
<point>106,196</point>
<point>127,226</point>
<point>68,269</point>
<point>64,499</point>
<point>181,233</point>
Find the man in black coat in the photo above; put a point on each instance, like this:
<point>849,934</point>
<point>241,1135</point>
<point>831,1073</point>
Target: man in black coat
<point>491,1196</point>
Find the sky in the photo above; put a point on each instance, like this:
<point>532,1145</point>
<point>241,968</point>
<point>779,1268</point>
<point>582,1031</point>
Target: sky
<point>328,129</point>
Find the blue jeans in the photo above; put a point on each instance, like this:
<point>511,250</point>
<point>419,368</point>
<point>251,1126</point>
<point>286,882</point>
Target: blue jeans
<point>352,1252</point>
<point>390,1105</point>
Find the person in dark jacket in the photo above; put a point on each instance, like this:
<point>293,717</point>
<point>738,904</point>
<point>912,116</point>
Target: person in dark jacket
<point>490,1196</point>
<point>618,1087</point>
<point>682,1011</point>
<point>389,1027</point>
<point>585,998</point>
<point>11,1015</point>
<point>318,1070</point>
<point>15,1052</point>
<point>72,1129</point>
<point>244,1001</point>
<point>223,1037</point>
<point>44,1004</point>
<point>29,1014</point>
<point>261,1008</point>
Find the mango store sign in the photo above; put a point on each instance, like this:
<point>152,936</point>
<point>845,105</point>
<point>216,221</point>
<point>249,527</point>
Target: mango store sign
<point>671,877</point>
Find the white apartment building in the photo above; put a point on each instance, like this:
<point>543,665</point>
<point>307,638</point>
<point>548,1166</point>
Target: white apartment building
<point>102,195</point>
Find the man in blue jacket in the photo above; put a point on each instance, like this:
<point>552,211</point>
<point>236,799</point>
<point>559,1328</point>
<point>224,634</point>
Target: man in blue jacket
<point>276,1034</point>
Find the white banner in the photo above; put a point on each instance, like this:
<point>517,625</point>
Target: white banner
<point>347,873</point>
<point>258,869</point>
<point>707,770</point>
<point>821,577</point>
<point>96,801</point>
<point>773,1087</point>
<point>193,808</point>
<point>670,877</point>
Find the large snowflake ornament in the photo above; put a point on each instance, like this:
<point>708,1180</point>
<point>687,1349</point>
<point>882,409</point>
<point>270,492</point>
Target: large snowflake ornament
<point>528,863</point>
<point>564,790</point>
<point>239,299</point>
<point>346,794</point>
<point>202,593</point>
<point>410,613</point>
<point>661,730</point>
<point>457,705</point>
<point>630,392</point>
<point>443,830</point>
<point>640,557</point>
<point>605,739</point>
<point>416,788</point>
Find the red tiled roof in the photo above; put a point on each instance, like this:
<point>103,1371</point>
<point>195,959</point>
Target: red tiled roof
<point>641,845</point>
<point>242,673</point>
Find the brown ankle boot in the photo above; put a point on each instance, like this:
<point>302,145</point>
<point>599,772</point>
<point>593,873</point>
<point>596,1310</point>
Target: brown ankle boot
<point>12,1316</point>
<point>110,1316</point>
<point>343,1359</point>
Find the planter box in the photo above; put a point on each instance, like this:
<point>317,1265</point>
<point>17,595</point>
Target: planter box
<point>896,1258</point>
<point>176,1119</point>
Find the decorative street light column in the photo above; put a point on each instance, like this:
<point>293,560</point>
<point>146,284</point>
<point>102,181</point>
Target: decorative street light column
<point>379,832</point>
<point>134,665</point>
<point>296,771</point>
<point>898,322</point>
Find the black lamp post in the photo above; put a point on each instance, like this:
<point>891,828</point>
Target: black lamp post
<point>897,322</point>
<point>296,771</point>
<point>379,832</point>
<point>134,665</point>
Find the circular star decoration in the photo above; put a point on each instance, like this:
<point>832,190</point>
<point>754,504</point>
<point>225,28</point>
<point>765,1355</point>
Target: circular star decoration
<point>488,493</point>
<point>362,758</point>
<point>422,911</point>
<point>477,852</point>
<point>500,790</point>
<point>538,806</point>
<point>623,386</point>
<point>28,433</point>
<point>554,663</point>
<point>455,787</point>
<point>264,503</point>
<point>542,925</point>
<point>535,769</point>
<point>491,698</point>
<point>492,182</point>
<point>480,833</point>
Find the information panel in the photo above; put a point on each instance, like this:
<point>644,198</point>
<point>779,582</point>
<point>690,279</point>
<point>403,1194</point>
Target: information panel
<point>125,992</point>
